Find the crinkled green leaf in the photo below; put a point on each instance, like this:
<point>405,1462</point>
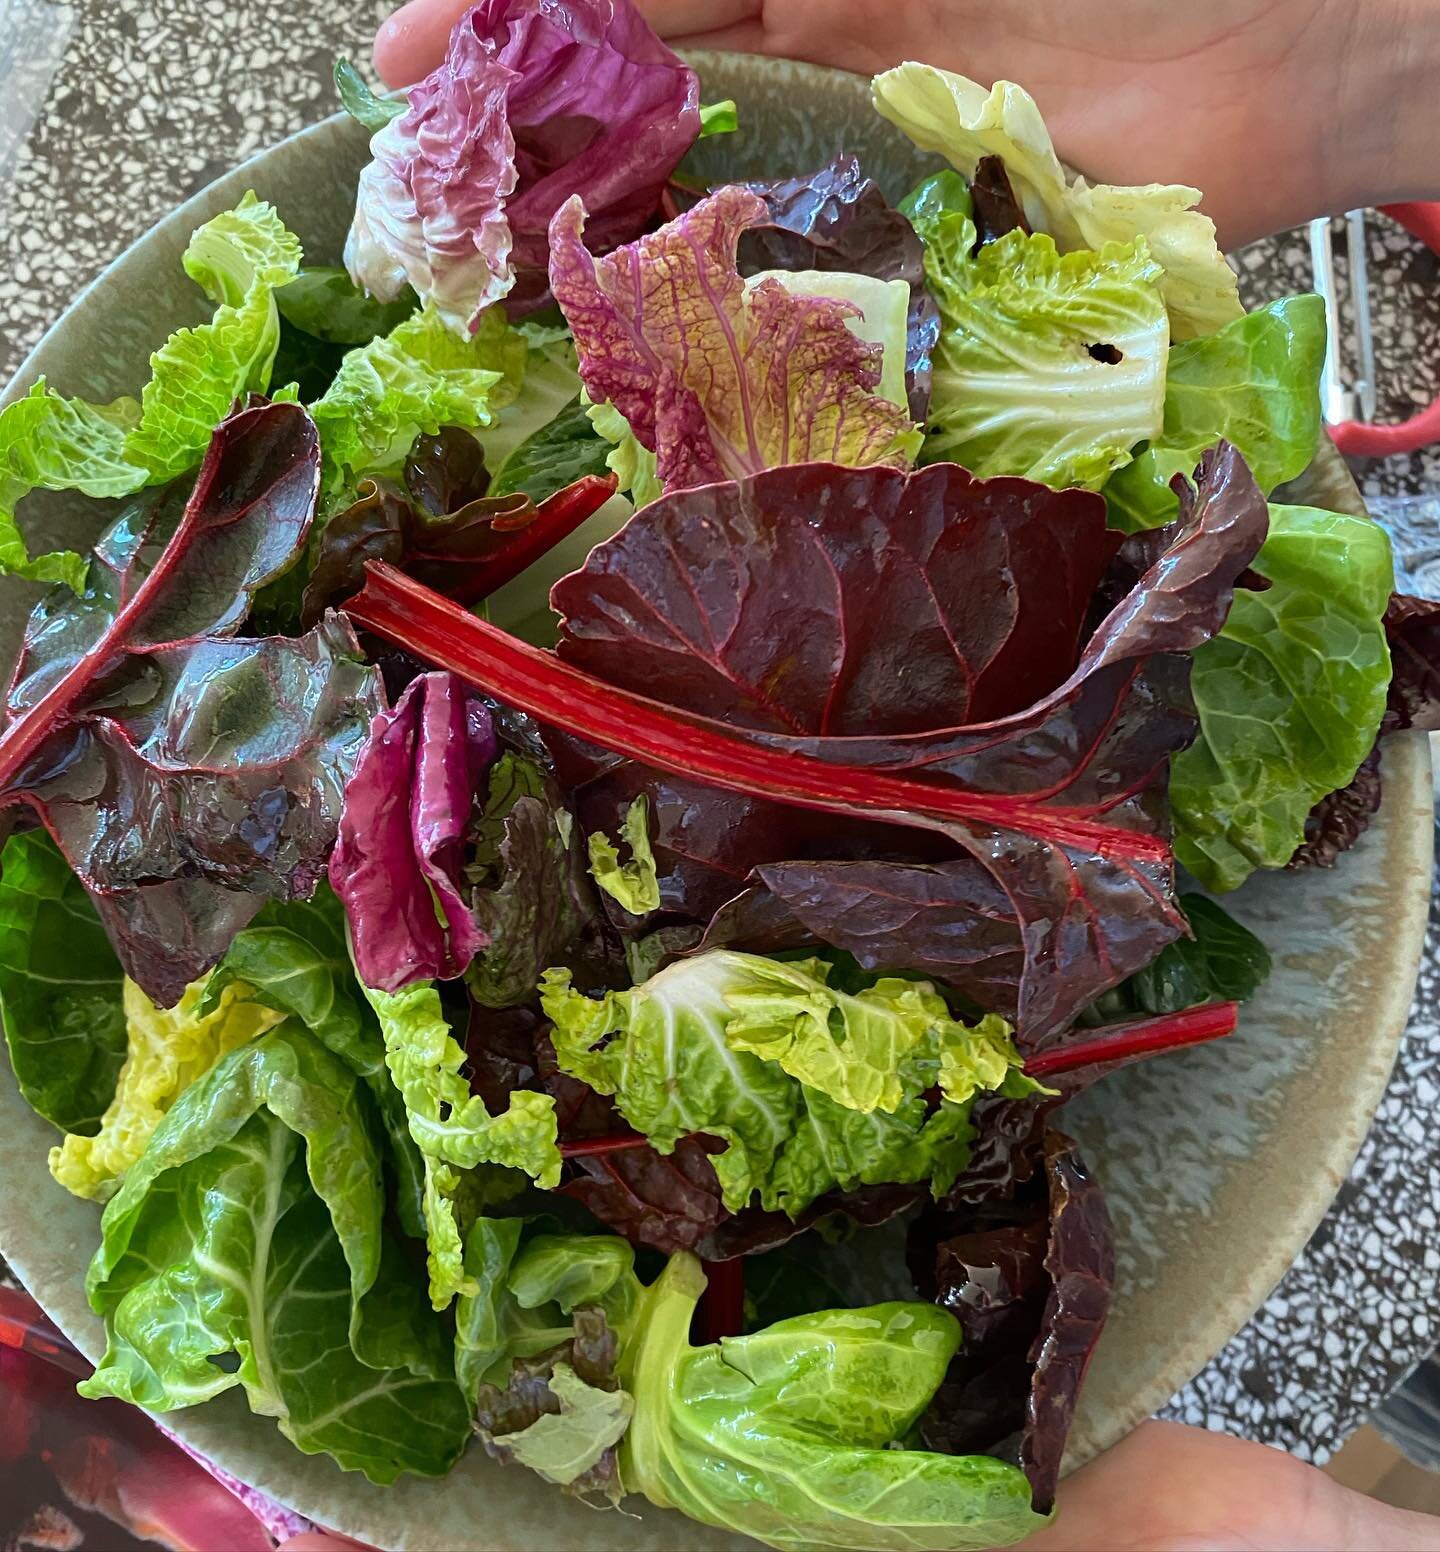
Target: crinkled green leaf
<point>961,121</point>
<point>451,1126</point>
<point>247,1248</point>
<point>1048,366</point>
<point>632,464</point>
<point>794,1435</point>
<point>60,985</point>
<point>238,258</point>
<point>167,1050</point>
<point>1256,383</point>
<point>1290,695</point>
<point>634,883</point>
<point>808,1086</point>
<point>51,443</point>
<point>417,379</point>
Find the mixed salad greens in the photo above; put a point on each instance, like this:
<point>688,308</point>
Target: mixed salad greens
<point>636,1043</point>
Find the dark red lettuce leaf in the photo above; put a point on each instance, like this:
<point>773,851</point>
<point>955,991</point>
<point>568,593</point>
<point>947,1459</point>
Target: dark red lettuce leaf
<point>465,551</point>
<point>187,773</point>
<point>997,211</point>
<point>1412,629</point>
<point>1340,818</point>
<point>818,600</point>
<point>1030,1279</point>
<point>838,220</point>
<point>397,863</point>
<point>806,604</point>
<point>531,893</point>
<point>446,471</point>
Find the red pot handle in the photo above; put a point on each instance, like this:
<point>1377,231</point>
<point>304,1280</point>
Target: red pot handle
<point>1361,439</point>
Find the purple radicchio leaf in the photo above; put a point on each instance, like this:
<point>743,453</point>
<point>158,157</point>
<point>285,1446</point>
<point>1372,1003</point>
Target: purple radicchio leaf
<point>717,379</point>
<point>186,772</point>
<point>838,220</point>
<point>397,864</point>
<point>534,102</point>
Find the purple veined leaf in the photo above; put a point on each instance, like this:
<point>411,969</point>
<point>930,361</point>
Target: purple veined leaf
<point>1030,1278</point>
<point>836,219</point>
<point>187,773</point>
<point>534,102</point>
<point>397,862</point>
<point>717,379</point>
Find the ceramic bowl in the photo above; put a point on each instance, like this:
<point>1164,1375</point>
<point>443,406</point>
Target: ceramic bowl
<point>1218,1161</point>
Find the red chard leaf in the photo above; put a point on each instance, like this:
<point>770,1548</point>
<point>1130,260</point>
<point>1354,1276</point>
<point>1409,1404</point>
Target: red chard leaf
<point>1061,803</point>
<point>186,772</point>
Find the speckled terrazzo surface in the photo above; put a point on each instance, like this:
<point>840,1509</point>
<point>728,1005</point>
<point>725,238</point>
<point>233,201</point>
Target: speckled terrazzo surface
<point>111,112</point>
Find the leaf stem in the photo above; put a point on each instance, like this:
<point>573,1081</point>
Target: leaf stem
<point>402,611</point>
<point>616,1142</point>
<point>1144,1037</point>
<point>555,519</point>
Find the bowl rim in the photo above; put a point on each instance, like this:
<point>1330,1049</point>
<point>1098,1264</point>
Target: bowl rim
<point>1408,779</point>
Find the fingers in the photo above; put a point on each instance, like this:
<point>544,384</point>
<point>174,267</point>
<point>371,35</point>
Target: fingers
<point>694,19</point>
<point>412,42</point>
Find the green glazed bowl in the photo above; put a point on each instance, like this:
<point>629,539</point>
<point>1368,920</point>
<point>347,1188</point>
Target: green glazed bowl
<point>1218,1161</point>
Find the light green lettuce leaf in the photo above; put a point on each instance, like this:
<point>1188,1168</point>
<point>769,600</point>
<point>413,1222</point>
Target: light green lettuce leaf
<point>632,464</point>
<point>855,1048</point>
<point>416,379</point>
<point>451,1126</point>
<point>794,1435</point>
<point>1020,386</point>
<point>247,1249</point>
<point>167,1049</point>
<point>239,259</point>
<point>634,884</point>
<point>60,987</point>
<point>809,1087</point>
<point>51,443</point>
<point>961,121</point>
<point>1289,695</point>
<point>884,315</point>
<point>1256,383</point>
<point>561,1447</point>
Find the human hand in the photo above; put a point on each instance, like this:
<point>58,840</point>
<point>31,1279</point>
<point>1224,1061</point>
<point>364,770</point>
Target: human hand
<point>1278,109</point>
<point>1166,1488</point>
